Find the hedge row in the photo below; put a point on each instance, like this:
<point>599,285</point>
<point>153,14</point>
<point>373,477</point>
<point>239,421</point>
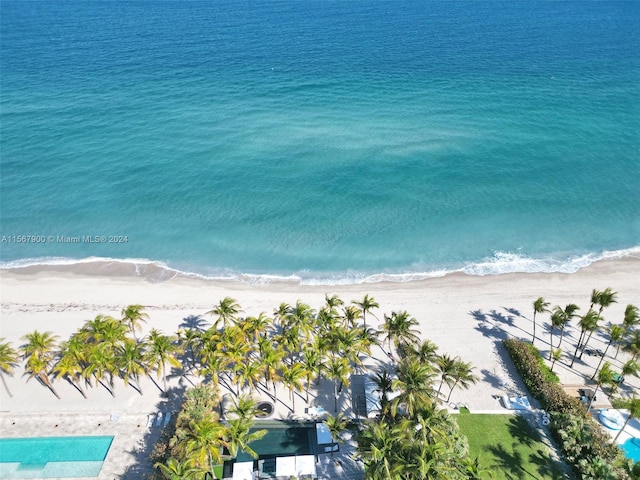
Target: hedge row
<point>584,443</point>
<point>536,376</point>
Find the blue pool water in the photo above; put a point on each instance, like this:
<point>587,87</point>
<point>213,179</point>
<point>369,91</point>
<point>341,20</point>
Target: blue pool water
<point>53,457</point>
<point>632,449</point>
<point>292,440</point>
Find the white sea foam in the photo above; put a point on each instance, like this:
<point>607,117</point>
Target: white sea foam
<point>157,271</point>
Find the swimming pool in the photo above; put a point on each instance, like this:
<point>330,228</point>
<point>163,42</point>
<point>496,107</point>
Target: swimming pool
<point>281,440</point>
<point>53,457</point>
<point>632,449</point>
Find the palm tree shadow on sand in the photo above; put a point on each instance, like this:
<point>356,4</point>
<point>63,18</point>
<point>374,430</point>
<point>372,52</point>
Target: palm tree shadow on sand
<point>142,453</point>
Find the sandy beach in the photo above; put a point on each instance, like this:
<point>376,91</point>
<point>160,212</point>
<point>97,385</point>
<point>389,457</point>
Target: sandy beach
<point>464,315</point>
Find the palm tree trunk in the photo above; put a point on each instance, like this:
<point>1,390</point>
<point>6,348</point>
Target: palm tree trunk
<point>164,379</point>
<point>601,360</point>
<point>585,344</point>
<point>561,336</point>
<point>47,383</point>
<point>533,339</point>
<point>593,397</point>
<point>577,348</point>
<point>615,440</point>
<point>451,391</point>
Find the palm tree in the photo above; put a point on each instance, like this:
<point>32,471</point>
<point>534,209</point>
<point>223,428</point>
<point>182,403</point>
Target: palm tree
<point>605,299</point>
<point>366,305</point>
<point>280,314</point>
<point>425,352</point>
<point>191,341</point>
<point>333,302</point>
<point>445,365</point>
<point>399,328</point>
<point>632,344</point>
<point>238,436</point>
<point>556,354</point>
<point>103,329</point>
<point>605,376</point>
<point>462,376</point>
<point>131,361</point>
<point>633,405</point>
<point>203,442</point>
<point>212,359</point>
<point>162,350</point>
<point>272,363</point>
<point>38,354</point>
<point>71,362</point>
<point>8,361</point>
<point>351,314</point>
<point>100,362</point>
<point>384,382</point>
<point>244,407</point>
<point>630,321</point>
<point>616,333</point>
<point>557,320</point>
<point>592,327</point>
<point>378,447</point>
<point>226,311</point>
<point>338,370</point>
<point>259,326</point>
<point>312,360</point>
<point>539,306</point>
<point>292,376</point>
<point>249,374</point>
<point>414,384</point>
<point>564,317</point>
<point>631,317</point>
<point>336,425</point>
<point>588,322</point>
<point>177,470</point>
<point>133,316</point>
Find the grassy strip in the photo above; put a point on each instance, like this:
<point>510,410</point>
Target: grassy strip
<point>508,446</point>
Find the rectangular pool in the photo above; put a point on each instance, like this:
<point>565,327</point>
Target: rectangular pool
<point>53,457</point>
<point>281,440</point>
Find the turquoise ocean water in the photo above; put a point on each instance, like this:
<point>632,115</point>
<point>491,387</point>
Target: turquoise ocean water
<point>334,141</point>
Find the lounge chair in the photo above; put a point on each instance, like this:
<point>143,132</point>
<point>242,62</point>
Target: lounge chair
<point>167,419</point>
<point>150,419</point>
<point>516,403</point>
<point>159,420</point>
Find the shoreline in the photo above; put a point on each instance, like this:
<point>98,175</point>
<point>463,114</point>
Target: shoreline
<point>158,272</point>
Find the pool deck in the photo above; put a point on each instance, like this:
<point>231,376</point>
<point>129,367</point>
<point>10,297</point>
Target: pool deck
<point>131,444</point>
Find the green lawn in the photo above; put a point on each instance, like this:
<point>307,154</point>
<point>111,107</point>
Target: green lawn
<point>509,447</point>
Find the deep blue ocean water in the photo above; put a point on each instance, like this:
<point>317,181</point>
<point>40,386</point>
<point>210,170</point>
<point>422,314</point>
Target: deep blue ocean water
<point>335,140</point>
